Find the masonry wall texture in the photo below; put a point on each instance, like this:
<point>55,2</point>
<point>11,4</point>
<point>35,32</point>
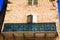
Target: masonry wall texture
<point>18,11</point>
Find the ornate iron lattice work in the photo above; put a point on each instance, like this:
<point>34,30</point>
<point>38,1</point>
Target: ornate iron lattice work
<point>29,27</point>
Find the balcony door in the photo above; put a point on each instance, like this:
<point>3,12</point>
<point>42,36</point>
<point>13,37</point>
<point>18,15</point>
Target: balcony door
<point>32,19</point>
<point>29,18</point>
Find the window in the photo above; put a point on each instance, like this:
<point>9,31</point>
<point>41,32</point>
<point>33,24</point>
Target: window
<point>32,19</point>
<point>29,18</point>
<point>52,0</point>
<point>32,2</point>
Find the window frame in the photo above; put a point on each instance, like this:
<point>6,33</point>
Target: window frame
<point>33,2</point>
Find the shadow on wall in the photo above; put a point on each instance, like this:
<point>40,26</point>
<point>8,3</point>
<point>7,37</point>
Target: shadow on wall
<point>2,12</point>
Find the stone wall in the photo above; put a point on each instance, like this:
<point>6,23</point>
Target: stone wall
<point>18,10</point>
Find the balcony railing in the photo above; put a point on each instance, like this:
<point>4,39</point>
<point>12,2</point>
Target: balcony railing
<point>29,27</point>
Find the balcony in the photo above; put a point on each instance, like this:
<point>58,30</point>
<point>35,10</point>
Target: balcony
<point>29,27</point>
<point>37,29</point>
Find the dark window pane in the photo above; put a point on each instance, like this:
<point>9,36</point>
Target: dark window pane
<point>29,3</point>
<point>35,3</point>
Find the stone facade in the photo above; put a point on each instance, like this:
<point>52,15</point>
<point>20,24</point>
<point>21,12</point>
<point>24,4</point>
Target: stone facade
<point>18,10</point>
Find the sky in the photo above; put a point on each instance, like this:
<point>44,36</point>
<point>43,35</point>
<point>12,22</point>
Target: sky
<point>59,10</point>
<point>1,3</point>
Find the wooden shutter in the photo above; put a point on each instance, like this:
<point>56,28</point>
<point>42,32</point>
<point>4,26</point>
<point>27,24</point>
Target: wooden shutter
<point>29,18</point>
